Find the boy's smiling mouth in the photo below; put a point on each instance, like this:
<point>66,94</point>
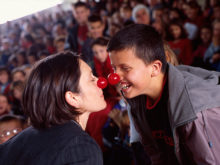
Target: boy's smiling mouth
<point>124,86</point>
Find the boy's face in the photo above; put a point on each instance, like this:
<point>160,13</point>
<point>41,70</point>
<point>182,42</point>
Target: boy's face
<point>100,52</point>
<point>96,29</point>
<point>81,14</point>
<point>4,106</point>
<point>135,75</point>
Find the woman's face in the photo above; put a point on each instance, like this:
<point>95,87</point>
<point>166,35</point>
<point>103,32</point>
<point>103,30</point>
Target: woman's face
<point>91,96</point>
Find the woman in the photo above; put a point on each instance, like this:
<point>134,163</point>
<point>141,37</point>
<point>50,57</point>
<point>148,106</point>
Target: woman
<point>60,94</point>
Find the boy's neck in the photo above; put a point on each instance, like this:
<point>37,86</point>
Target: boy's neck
<point>157,88</point>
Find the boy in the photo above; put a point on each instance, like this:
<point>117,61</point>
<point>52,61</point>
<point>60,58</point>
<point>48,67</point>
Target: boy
<point>172,108</point>
<point>5,107</point>
<point>96,29</point>
<point>78,34</point>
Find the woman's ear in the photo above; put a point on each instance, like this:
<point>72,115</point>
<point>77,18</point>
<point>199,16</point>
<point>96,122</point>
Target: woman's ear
<point>72,99</point>
<point>157,66</point>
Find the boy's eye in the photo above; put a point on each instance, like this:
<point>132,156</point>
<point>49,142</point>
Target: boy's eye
<point>126,69</point>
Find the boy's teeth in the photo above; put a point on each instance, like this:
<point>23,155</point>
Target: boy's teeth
<point>124,86</point>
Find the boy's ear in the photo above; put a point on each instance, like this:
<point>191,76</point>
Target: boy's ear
<point>72,99</point>
<point>156,68</point>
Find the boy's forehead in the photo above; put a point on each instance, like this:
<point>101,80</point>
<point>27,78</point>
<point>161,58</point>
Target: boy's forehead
<point>122,56</point>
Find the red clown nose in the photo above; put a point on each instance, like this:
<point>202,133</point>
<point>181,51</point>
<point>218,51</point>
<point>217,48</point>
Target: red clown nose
<point>102,82</point>
<point>113,78</point>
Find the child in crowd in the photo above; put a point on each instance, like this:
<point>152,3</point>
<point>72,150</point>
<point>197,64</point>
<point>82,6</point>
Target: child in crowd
<point>103,68</point>
<point>10,125</point>
<point>212,54</point>
<point>59,43</point>
<point>205,38</point>
<point>4,80</point>
<point>18,75</point>
<point>17,89</point>
<point>96,29</point>
<point>43,54</point>
<point>21,58</point>
<point>177,39</point>
<point>169,104</point>
<point>5,107</point>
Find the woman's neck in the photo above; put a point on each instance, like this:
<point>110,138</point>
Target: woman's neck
<point>82,120</point>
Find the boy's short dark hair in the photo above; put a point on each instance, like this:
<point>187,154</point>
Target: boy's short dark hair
<point>103,41</point>
<point>94,18</point>
<point>143,39</point>
<point>80,4</point>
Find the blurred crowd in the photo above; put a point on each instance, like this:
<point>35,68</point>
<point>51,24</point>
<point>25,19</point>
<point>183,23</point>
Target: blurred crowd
<point>190,30</point>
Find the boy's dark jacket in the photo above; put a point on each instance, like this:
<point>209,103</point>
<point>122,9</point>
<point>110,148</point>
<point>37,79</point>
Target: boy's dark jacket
<point>194,115</point>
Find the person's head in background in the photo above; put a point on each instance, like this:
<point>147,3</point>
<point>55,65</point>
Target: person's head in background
<point>21,57</point>
<point>59,43</point>
<point>96,26</point>
<point>81,12</point>
<point>4,75</point>
<point>43,54</point>
<point>141,15</point>
<point>216,32</point>
<point>5,106</point>
<point>18,74</point>
<point>194,10</point>
<point>55,94</point>
<point>157,14</point>
<point>32,57</point>
<point>176,31</point>
<point>175,13</point>
<point>17,89</point>
<point>10,125</point>
<point>206,34</point>
<point>99,48</point>
<point>5,44</point>
<point>59,30</point>
<point>27,69</point>
<point>126,12</point>
<point>170,55</point>
<point>216,11</point>
<point>137,56</point>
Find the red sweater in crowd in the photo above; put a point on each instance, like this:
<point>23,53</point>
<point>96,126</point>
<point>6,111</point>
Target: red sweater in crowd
<point>183,49</point>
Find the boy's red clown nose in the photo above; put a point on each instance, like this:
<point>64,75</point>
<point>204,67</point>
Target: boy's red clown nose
<point>113,79</point>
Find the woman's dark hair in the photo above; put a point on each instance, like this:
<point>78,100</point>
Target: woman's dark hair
<point>143,39</point>
<point>44,95</point>
<point>100,41</point>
